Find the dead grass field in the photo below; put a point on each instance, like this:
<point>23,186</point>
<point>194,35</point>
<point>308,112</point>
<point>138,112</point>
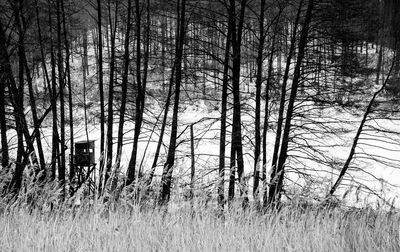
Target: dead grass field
<point>199,230</point>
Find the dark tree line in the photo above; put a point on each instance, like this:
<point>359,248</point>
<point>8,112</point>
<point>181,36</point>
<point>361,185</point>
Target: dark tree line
<point>292,59</point>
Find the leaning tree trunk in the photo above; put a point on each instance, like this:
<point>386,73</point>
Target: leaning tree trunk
<point>359,131</point>
<point>163,126</point>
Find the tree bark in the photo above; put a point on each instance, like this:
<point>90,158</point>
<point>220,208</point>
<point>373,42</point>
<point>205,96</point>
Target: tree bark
<point>168,167</point>
<point>61,168</point>
<point>192,166</point>
<point>236,145</point>
<point>101,93</point>
<point>110,117</point>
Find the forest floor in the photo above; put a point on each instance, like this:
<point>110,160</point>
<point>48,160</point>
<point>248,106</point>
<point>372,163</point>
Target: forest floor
<point>291,229</point>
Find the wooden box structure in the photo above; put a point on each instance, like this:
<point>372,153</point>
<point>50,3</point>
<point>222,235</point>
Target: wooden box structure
<point>84,165</point>
<point>84,153</point>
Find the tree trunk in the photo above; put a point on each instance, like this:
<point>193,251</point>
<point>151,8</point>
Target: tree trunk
<point>61,168</point>
<point>101,93</point>
<point>55,140</point>
<point>138,102</point>
<point>276,184</point>
<point>359,131</point>
<point>3,122</point>
<point>145,71</point>
<point>283,92</point>
<point>163,125</point>
<point>236,145</point>
<point>168,167</point>
<point>257,149</point>
<point>124,88</point>
<point>113,27</point>
<point>22,60</point>
<point>71,117</point>
<point>16,97</point>
<point>222,142</point>
<point>192,166</point>
<point>266,115</point>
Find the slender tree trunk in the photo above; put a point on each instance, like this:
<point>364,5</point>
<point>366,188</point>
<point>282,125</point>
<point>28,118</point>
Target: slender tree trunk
<point>237,146</point>
<point>163,42</point>
<point>101,92</point>
<point>3,120</point>
<point>145,70</point>
<point>68,79</point>
<point>192,166</point>
<point>36,123</point>
<point>163,126</point>
<point>46,80</point>
<point>42,54</point>
<point>168,167</point>
<point>124,87</point>
<point>222,142</point>
<point>379,65</point>
<point>20,166</point>
<point>266,115</point>
<point>55,140</point>
<point>276,185</point>
<point>61,168</point>
<point>139,108</point>
<point>257,149</point>
<point>359,131</point>
<point>113,26</point>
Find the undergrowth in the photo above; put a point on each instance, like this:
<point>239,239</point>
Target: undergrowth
<point>37,220</point>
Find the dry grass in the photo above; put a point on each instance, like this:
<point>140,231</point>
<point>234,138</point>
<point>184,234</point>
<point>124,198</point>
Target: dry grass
<point>202,230</point>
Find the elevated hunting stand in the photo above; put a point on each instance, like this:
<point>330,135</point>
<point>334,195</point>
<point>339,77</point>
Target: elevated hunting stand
<point>84,165</point>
